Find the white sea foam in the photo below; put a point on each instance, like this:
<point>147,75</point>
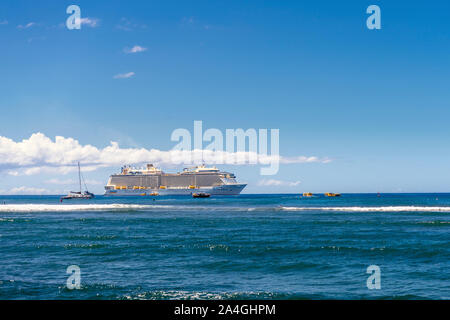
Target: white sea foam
<point>148,207</point>
<point>371,209</point>
<point>197,295</point>
<point>71,207</point>
<point>113,207</point>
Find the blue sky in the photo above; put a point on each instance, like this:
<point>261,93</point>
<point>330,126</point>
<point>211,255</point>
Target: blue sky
<point>376,102</point>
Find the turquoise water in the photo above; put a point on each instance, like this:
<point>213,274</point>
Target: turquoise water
<point>248,246</point>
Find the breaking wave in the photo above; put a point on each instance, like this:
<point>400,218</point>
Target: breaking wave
<point>371,209</point>
<point>116,207</point>
<point>151,207</point>
<point>72,207</point>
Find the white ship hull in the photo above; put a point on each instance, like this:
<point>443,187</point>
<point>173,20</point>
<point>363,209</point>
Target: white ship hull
<point>226,189</point>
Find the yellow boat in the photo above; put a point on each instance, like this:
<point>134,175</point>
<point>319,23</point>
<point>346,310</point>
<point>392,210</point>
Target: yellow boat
<point>307,194</point>
<point>330,194</point>
<point>153,194</point>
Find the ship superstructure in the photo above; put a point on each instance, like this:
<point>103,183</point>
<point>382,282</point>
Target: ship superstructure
<point>151,181</point>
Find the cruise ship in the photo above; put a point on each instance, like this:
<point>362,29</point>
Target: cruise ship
<point>153,181</point>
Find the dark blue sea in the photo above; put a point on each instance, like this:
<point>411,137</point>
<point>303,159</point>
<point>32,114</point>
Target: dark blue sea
<point>237,247</point>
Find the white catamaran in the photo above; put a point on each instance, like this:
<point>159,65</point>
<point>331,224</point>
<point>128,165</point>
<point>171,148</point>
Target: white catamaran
<point>79,194</point>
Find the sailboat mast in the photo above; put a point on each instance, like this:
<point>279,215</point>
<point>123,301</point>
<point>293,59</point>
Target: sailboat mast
<point>79,175</point>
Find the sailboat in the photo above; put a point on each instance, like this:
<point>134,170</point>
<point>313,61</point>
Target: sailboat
<point>79,194</point>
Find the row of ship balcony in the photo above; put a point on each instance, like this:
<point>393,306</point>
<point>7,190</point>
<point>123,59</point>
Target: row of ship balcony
<point>146,188</point>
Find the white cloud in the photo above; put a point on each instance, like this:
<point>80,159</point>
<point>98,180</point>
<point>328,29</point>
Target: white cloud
<point>40,154</point>
<point>303,159</point>
<point>188,21</point>
<point>26,26</point>
<point>48,169</point>
<point>274,182</point>
<point>193,22</point>
<point>135,49</point>
<point>90,22</point>
<point>58,181</point>
<point>3,22</point>
<point>26,190</point>
<point>124,75</point>
<point>71,181</point>
<point>128,25</point>
<point>36,38</point>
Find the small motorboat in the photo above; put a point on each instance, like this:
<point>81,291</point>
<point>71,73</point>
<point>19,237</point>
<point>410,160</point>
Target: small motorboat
<point>308,194</point>
<point>330,194</point>
<point>201,195</point>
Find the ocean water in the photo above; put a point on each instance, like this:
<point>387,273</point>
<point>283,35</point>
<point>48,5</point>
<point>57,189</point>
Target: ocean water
<point>238,247</point>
